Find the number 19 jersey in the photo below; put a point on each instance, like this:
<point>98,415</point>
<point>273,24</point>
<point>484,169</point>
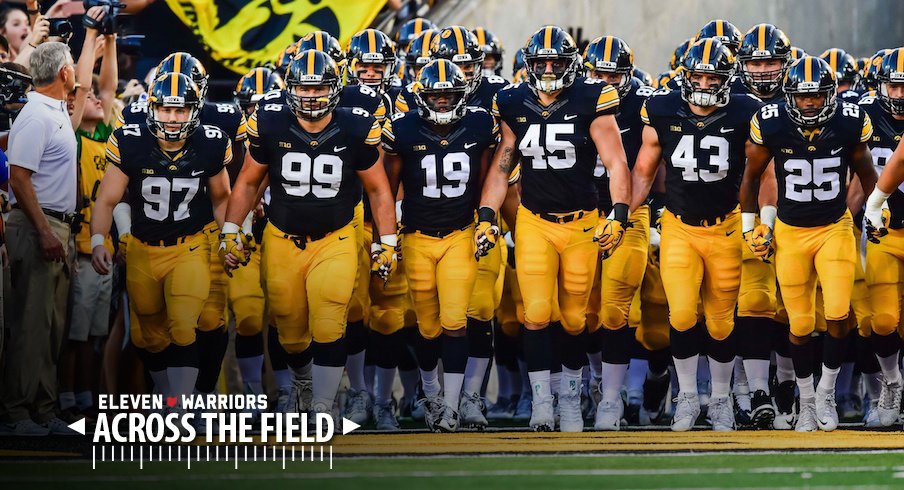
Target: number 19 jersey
<point>557,154</point>
<point>314,187</point>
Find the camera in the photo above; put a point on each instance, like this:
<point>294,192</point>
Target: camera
<point>60,28</point>
<point>107,25</point>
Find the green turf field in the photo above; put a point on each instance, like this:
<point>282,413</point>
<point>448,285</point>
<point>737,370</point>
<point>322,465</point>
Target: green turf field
<point>528,472</point>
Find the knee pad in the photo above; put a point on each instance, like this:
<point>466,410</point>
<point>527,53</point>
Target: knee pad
<point>652,339</point>
<point>683,320</point>
<point>249,316</point>
<point>612,317</point>
<point>182,333</point>
<point>884,323</point>
<point>538,312</point>
<point>755,303</point>
<point>480,338</point>
<point>719,329</point>
<point>573,320</point>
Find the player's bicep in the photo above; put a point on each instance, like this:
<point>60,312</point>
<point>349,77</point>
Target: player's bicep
<point>112,186</point>
<point>758,157</point>
<point>219,186</point>
<point>650,154</point>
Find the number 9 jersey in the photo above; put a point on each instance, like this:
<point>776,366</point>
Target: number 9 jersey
<point>313,183</point>
<point>558,155</point>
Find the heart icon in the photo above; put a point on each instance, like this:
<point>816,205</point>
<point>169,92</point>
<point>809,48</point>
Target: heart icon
<point>171,401</point>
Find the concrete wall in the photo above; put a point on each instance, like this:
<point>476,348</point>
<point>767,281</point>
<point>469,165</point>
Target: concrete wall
<point>653,27</point>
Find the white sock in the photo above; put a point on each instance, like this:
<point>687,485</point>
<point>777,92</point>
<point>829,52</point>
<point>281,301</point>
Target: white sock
<point>67,400</point>
<point>757,374</point>
<point>354,367</point>
<point>889,366</point>
<point>595,360</point>
<point>571,382</point>
<point>250,369</point>
<point>475,371</point>
<point>539,382</point>
<point>637,373</point>
<point>430,382</point>
<point>161,382</point>
<point>370,373</point>
<point>305,372</point>
<point>383,385</point>
<point>805,386</point>
<point>452,383</point>
<point>613,380</point>
<point>845,380</point>
<point>686,370</point>
<point>181,380</point>
<point>721,377</point>
<point>283,378</point>
<point>555,381</point>
<point>784,368</point>
<point>325,385</point>
<point>740,374</point>
<point>84,400</point>
<point>828,379</point>
<point>409,379</point>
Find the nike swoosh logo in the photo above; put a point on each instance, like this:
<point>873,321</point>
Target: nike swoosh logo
<point>192,249</point>
<point>337,149</point>
<point>343,237</point>
<point>725,130</point>
<point>469,145</point>
<point>836,151</point>
<point>623,131</point>
<point>195,173</point>
<point>588,229</point>
<point>570,117</point>
<point>730,233</point>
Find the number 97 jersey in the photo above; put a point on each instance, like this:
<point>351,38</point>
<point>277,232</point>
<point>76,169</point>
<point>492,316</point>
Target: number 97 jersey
<point>314,187</point>
<point>558,155</point>
<point>811,165</point>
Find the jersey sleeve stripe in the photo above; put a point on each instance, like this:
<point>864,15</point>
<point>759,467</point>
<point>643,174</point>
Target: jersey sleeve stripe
<point>644,116</point>
<point>112,150</point>
<point>374,136</point>
<point>755,134</point>
<point>608,99</point>
<point>401,105</point>
<point>866,133</point>
<point>227,155</point>
<point>251,126</point>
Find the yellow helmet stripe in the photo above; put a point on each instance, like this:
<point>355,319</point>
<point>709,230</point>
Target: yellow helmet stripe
<point>371,40</point>
<point>310,62</point>
<point>607,50</point>
<point>900,54</point>
<point>418,26</point>
<point>459,41</point>
<point>720,28</point>
<point>259,81</point>
<point>177,63</point>
<point>318,42</point>
<point>707,50</point>
<point>425,47</point>
<point>761,38</point>
<point>481,36</point>
<point>808,69</point>
<point>547,38</point>
<point>442,71</point>
<point>833,60</point>
<point>174,84</point>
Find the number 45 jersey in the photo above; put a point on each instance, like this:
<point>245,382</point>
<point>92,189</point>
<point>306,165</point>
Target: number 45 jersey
<point>314,187</point>
<point>811,165</point>
<point>168,192</point>
<point>557,154</point>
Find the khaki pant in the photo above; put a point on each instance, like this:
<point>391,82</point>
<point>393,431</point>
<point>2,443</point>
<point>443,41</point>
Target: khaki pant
<point>36,317</point>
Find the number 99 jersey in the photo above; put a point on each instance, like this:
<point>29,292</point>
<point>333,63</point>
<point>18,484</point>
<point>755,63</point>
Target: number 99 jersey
<point>558,155</point>
<point>811,165</point>
<point>168,193</point>
<point>314,187</point>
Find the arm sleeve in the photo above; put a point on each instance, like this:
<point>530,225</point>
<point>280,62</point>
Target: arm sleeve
<point>607,102</point>
<point>242,132</point>
<point>644,115</point>
<point>756,135</point>
<point>112,151</point>
<point>26,143</point>
<point>866,131</point>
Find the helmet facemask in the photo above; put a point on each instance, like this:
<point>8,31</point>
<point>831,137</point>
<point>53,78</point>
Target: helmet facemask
<point>894,105</point>
<point>355,68</point>
<point>714,95</point>
<point>313,107</point>
<point>443,103</point>
<point>610,67</point>
<point>472,68</point>
<point>763,83</point>
<point>564,71</point>
<point>162,130</point>
<point>812,117</point>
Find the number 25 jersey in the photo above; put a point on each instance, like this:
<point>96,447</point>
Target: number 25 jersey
<point>811,164</point>
<point>557,154</point>
<point>314,187</point>
<point>168,192</point>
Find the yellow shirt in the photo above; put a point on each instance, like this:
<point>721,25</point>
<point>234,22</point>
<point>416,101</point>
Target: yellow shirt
<point>92,165</point>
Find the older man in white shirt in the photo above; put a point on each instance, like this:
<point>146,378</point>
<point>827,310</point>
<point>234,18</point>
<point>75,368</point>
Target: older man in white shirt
<point>43,180</point>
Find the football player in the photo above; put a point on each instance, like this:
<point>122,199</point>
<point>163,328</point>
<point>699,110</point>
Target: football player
<point>492,50</point>
<point>763,58</point>
<point>317,157</point>
<point>815,141</point>
<point>253,86</point>
<point>699,131</point>
<point>723,31</point>
<point>884,258</point>
<point>408,32</point>
<point>557,122</point>
<point>846,73</point>
<point>678,54</point>
<point>611,60</point>
<point>174,171</point>
<point>439,153</point>
<point>418,54</point>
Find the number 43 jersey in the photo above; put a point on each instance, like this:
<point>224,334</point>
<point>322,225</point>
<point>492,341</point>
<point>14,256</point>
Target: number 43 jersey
<point>811,165</point>
<point>440,173</point>
<point>557,154</point>
<point>314,187</point>
<point>168,191</point>
<point>704,155</point>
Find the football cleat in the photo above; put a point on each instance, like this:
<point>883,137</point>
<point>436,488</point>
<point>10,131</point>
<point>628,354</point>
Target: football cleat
<point>871,416</point>
<point>570,417</point>
<point>762,413</point>
<point>58,427</point>
<point>687,410</point>
<point>448,421</point>
<point>283,397</point>
<point>358,406</point>
<point>826,410</point>
<point>655,390</point>
<point>806,419</point>
<point>384,417</point>
<point>503,409</point>
<point>433,411</point>
<point>742,405</point>
<point>302,395</point>
<point>889,403</point>
<point>470,410</point>
<point>523,409</point>
<point>721,414</point>
<point>784,404</point>
<point>609,415</point>
<point>542,418</point>
<point>850,406</point>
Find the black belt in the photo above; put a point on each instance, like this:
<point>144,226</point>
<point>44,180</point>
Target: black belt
<point>710,221</point>
<point>168,242</point>
<point>301,241</point>
<point>433,233</point>
<point>67,218</point>
<point>562,218</point>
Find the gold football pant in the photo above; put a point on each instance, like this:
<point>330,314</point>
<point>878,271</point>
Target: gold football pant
<point>756,297</point>
<point>860,302</point>
<point>701,262</point>
<point>167,289</point>
<point>246,296</point>
<point>511,308</point>
<point>358,309</point>
<point>441,274</point>
<point>213,316</point>
<point>805,255</point>
<point>653,329</point>
<point>551,258</point>
<point>308,285</point>
<point>885,277</point>
<point>390,302</point>
<point>487,291</point>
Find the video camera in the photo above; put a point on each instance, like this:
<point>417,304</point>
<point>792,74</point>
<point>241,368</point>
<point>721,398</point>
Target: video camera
<point>106,26</point>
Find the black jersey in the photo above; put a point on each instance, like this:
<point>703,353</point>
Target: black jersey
<point>704,156</point>
<point>557,154</point>
<point>314,187</point>
<point>631,128</point>
<point>849,95</point>
<point>811,165</point>
<point>440,173</point>
<point>482,97</point>
<point>361,96</point>
<point>887,132</point>
<point>168,193</point>
<point>227,117</point>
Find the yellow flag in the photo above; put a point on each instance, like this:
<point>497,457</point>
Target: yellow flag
<point>243,34</point>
